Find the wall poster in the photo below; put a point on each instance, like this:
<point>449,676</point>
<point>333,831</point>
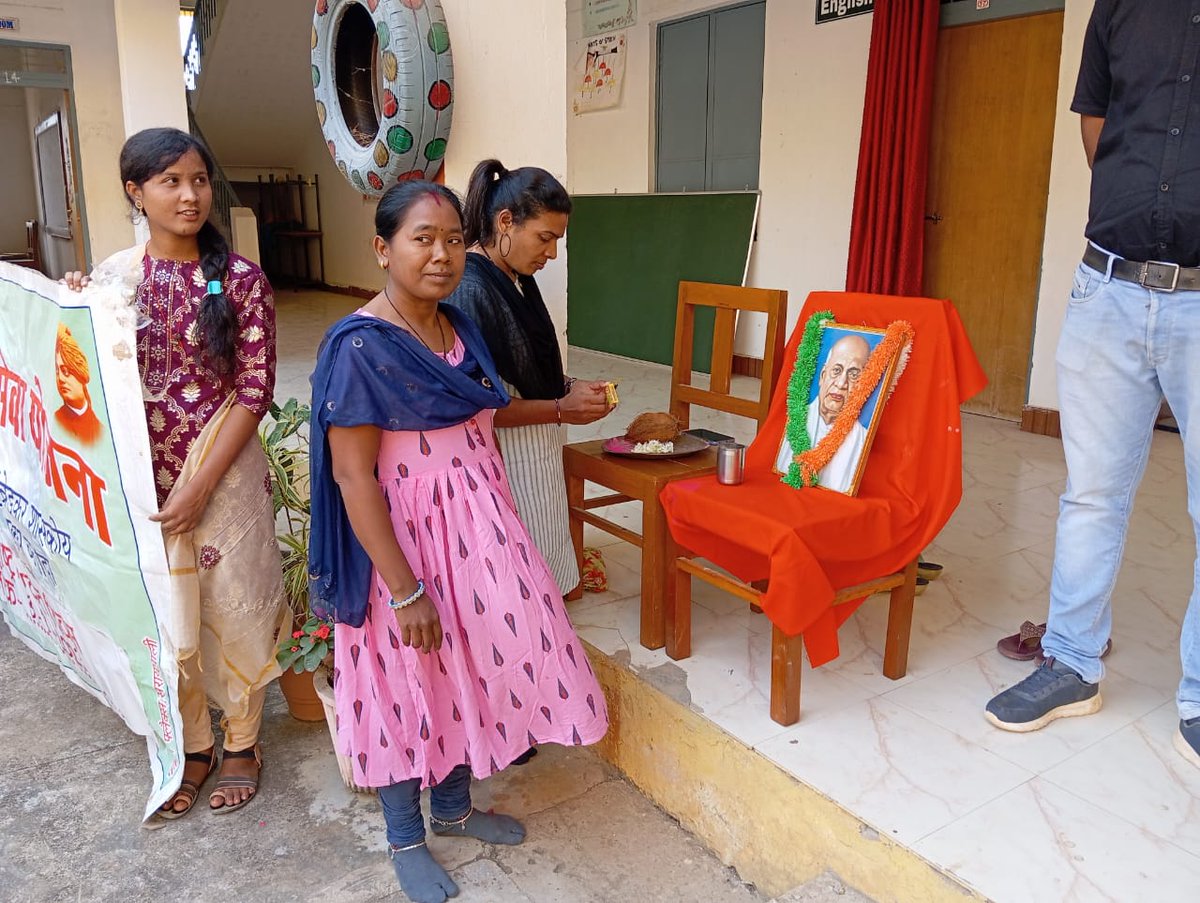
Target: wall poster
<point>599,86</point>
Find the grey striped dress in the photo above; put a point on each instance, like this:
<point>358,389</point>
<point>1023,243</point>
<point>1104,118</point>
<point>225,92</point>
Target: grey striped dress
<point>533,459</point>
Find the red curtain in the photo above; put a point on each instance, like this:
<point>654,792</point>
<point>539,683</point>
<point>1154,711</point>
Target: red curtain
<point>887,231</point>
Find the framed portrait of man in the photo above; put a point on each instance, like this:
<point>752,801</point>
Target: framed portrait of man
<point>841,362</point>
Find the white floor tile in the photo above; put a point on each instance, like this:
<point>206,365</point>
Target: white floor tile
<point>1041,844</point>
<point>894,769</point>
<point>1135,766</point>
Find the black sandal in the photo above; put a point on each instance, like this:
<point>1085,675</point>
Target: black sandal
<point>236,783</point>
<point>187,790</point>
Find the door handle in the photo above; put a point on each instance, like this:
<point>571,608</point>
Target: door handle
<point>934,218</point>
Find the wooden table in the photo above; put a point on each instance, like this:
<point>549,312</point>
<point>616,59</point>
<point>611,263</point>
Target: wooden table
<point>632,479</point>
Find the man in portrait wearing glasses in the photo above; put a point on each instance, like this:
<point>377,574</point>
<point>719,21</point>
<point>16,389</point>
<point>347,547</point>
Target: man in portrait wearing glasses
<point>841,370</point>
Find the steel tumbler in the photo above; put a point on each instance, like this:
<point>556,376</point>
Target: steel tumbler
<point>731,462</point>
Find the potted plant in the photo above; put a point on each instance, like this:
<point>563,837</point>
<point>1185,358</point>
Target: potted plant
<point>305,654</point>
<point>284,439</point>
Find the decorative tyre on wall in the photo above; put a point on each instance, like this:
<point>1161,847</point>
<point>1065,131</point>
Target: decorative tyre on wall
<point>383,79</point>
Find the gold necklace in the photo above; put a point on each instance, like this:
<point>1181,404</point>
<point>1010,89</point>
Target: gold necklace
<point>443,354</point>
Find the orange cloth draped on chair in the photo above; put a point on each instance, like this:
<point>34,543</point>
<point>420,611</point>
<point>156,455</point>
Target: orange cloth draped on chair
<point>811,542</point>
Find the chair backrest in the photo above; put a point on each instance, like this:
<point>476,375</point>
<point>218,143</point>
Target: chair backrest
<point>727,301</point>
<point>916,454</point>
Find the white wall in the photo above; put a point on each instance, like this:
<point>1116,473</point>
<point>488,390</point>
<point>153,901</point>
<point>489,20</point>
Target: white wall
<point>1066,215</point>
<point>256,107</point>
<point>152,96</point>
<point>814,78</point>
<point>814,81</point>
<point>90,28</point>
<point>18,195</point>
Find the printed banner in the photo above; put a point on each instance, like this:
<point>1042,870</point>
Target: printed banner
<point>603,73</point>
<point>83,571</point>
<point>607,15</point>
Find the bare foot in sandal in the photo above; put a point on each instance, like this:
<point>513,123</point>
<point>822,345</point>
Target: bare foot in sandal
<point>196,769</point>
<point>238,781</point>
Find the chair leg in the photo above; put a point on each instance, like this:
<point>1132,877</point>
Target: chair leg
<point>786,659</point>
<point>761,586</point>
<point>575,500</point>
<point>899,625</point>
<point>679,607</point>
<point>656,571</point>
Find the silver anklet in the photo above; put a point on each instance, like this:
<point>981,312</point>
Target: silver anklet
<point>392,851</point>
<point>458,823</point>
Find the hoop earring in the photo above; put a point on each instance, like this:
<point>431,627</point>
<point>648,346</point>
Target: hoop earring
<point>502,247</point>
<point>383,264</point>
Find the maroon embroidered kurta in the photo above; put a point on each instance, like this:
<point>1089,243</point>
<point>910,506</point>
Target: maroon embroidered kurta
<point>180,389</point>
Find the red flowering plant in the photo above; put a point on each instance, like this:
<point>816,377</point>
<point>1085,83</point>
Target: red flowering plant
<point>307,647</point>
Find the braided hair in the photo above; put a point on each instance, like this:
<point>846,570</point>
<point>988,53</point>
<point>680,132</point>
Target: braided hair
<point>153,151</point>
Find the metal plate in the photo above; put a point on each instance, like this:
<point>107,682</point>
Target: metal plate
<point>684,445</point>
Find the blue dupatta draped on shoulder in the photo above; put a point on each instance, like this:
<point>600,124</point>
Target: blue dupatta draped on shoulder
<point>371,373</point>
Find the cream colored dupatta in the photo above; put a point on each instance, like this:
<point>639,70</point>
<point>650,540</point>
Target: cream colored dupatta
<point>227,588</point>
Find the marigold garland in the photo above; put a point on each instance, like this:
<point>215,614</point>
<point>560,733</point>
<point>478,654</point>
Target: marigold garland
<point>808,462</point>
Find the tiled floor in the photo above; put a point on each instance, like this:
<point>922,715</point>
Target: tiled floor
<point>1097,808</point>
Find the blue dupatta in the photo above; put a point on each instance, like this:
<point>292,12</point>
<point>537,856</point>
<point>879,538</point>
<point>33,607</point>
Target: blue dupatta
<point>371,373</point>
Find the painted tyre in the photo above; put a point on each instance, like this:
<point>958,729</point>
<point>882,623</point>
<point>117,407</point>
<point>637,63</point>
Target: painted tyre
<point>383,80</point>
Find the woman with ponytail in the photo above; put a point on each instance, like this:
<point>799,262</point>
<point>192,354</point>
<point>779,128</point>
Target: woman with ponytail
<point>514,220</point>
<point>206,352</point>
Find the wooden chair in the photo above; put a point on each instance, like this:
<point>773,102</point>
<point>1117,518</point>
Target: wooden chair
<point>809,556</point>
<point>787,651</point>
<point>642,480</point>
<point>32,255</point>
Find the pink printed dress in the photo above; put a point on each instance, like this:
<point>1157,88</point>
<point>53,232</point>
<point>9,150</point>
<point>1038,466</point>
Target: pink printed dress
<point>511,672</point>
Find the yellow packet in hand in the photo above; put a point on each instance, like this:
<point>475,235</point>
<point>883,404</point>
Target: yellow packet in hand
<point>610,394</point>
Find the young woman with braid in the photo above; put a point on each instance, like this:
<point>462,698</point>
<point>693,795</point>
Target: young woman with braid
<point>206,352</point>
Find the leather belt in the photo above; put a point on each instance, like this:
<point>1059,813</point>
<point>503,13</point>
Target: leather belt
<point>1155,274</point>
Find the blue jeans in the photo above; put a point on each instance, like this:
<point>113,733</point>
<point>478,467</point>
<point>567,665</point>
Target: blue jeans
<point>1123,349</point>
<point>450,800</point>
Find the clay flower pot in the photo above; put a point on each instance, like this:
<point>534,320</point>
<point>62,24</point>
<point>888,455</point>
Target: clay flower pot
<point>302,700</point>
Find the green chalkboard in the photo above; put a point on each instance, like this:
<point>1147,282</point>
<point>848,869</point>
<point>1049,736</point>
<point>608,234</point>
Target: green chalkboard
<point>627,255</point>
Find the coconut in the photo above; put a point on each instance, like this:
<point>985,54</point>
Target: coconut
<point>653,425</point>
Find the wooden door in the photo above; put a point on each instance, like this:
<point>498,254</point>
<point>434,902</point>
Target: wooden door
<point>989,176</point>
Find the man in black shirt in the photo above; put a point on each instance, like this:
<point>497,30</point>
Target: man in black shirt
<point>1130,338</point>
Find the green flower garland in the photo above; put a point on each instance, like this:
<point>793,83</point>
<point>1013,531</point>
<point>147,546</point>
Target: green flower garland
<point>799,386</point>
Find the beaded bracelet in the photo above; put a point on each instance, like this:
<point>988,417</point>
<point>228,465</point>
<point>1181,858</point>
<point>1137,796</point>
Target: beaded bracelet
<point>404,603</point>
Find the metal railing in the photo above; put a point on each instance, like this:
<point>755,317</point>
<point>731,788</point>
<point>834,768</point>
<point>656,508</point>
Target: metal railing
<point>204,16</point>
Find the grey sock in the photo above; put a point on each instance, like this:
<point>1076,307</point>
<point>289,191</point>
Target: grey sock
<point>487,826</point>
<point>421,878</point>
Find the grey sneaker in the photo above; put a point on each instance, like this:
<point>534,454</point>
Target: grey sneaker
<point>1052,691</point>
<point>1187,740</point>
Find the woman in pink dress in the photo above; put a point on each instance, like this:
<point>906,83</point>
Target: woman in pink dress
<point>454,652</point>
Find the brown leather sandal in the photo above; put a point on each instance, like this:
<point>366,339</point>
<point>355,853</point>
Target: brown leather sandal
<point>1026,644</point>
<point>236,783</point>
<point>188,791</point>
